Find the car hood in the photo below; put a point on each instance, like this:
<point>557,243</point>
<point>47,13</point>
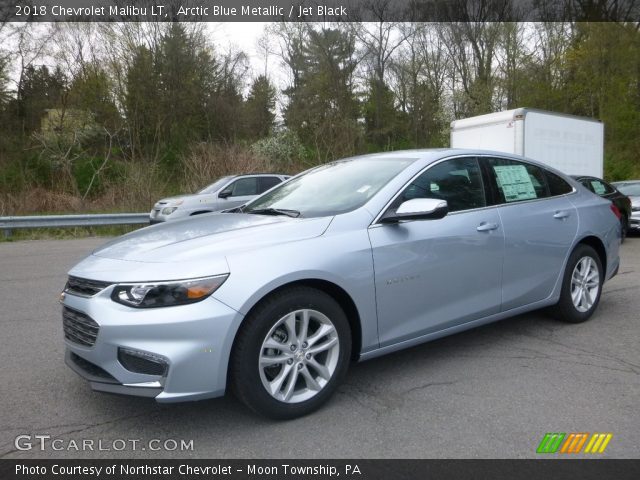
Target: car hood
<point>204,236</point>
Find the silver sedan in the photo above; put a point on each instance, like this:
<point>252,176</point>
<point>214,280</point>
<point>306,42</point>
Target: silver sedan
<point>345,262</point>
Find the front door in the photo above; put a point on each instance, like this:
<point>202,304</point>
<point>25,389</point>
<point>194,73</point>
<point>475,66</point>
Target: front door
<point>435,274</point>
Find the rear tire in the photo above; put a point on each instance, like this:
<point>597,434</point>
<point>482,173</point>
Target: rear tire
<point>291,353</point>
<point>581,286</point>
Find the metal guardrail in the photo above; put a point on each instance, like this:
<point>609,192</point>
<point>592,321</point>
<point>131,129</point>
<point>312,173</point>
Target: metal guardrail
<point>8,224</point>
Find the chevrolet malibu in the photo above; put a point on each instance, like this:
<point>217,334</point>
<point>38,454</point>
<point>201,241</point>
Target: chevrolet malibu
<point>347,261</point>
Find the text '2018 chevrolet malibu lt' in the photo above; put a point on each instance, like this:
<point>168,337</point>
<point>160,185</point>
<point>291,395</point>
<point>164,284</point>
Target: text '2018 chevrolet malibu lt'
<point>347,261</point>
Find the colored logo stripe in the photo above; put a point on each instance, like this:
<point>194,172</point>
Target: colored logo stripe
<point>573,442</point>
<point>550,443</point>
<point>598,443</point>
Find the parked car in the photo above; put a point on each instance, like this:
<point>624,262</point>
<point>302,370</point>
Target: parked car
<point>631,188</point>
<point>602,188</point>
<point>348,261</point>
<point>226,192</point>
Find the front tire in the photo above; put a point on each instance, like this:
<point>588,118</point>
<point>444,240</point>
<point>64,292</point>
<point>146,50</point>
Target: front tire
<point>291,353</point>
<point>581,286</point>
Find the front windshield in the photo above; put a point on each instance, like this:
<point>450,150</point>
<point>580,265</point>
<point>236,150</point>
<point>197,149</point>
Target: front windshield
<point>331,189</point>
<point>215,185</point>
<point>631,189</point>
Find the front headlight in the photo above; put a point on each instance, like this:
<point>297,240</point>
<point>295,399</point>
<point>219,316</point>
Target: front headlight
<point>166,294</point>
<point>169,210</point>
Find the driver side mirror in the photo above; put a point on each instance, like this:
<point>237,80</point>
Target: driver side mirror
<point>417,209</point>
<point>225,193</point>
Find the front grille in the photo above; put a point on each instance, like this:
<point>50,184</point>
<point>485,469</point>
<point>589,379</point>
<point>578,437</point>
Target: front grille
<point>78,327</point>
<point>83,287</point>
<point>142,362</point>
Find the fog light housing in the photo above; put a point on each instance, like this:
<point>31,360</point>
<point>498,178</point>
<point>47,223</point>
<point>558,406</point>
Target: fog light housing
<point>147,363</point>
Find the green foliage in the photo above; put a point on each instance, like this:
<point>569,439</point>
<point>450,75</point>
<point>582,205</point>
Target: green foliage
<point>122,127</point>
<point>38,91</point>
<point>323,109</point>
<point>284,150</point>
<point>260,108</point>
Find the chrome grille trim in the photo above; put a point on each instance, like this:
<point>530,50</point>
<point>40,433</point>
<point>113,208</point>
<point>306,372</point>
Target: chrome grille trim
<point>79,328</point>
<point>83,287</point>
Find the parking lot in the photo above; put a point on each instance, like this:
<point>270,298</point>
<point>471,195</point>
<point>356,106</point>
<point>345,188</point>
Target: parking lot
<point>487,393</point>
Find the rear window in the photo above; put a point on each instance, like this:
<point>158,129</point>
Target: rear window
<point>267,182</point>
<point>518,181</point>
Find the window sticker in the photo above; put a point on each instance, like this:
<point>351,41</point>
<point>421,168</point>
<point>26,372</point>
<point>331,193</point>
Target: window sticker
<point>515,182</point>
<point>598,187</point>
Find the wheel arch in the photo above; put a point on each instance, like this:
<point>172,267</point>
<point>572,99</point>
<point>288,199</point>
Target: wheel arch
<point>336,292</point>
<point>597,244</point>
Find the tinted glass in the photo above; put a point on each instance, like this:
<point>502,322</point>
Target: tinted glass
<point>458,181</point>
<point>518,181</point>
<point>267,182</point>
<point>333,188</point>
<point>587,184</point>
<point>244,187</point>
<point>600,187</point>
<point>557,185</point>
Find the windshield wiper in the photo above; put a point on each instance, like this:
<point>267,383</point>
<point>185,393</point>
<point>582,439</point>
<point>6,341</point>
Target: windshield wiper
<point>275,211</point>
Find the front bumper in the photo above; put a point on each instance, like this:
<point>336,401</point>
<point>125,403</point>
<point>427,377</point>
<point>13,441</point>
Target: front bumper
<point>194,341</point>
<point>634,221</point>
<point>156,216</point>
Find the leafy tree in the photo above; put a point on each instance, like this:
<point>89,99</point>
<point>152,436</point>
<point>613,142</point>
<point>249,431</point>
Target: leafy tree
<point>38,91</point>
<point>260,108</point>
<point>323,109</point>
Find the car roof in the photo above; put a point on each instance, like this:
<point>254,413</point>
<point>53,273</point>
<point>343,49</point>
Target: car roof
<point>261,174</point>
<point>429,155</point>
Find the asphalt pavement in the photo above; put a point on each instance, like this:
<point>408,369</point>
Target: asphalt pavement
<point>492,392</point>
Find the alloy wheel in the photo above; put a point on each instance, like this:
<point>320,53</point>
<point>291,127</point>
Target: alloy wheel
<point>585,284</point>
<point>299,356</point>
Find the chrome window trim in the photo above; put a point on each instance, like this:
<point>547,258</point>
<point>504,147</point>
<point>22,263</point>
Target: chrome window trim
<point>376,220</point>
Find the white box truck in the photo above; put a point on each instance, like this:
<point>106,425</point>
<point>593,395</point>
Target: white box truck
<point>573,145</point>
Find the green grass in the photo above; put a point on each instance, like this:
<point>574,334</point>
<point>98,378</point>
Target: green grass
<point>67,233</point>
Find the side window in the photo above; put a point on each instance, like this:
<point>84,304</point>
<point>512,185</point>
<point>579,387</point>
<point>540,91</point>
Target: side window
<point>599,187</point>
<point>557,185</point>
<point>268,182</point>
<point>587,184</point>
<point>458,181</point>
<point>244,187</point>
<point>518,181</point>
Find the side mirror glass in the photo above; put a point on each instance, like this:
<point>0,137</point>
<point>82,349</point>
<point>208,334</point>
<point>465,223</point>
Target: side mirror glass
<point>225,193</point>
<point>417,209</point>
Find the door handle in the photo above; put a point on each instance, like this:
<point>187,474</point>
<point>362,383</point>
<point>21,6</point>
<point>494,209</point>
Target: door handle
<point>485,227</point>
<point>561,214</point>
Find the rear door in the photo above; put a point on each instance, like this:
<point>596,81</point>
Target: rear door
<point>539,224</point>
<point>435,274</point>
